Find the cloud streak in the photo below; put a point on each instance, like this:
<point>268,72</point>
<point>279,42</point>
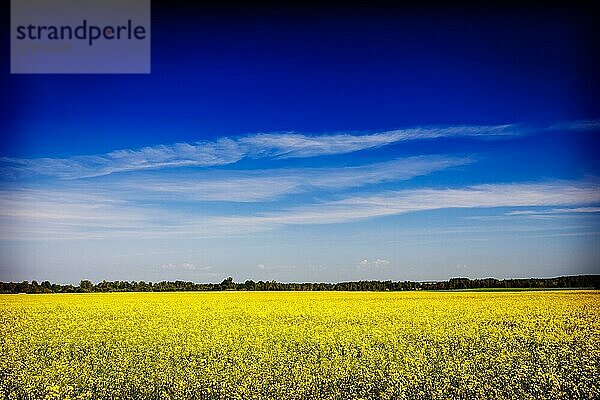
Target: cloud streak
<point>557,211</point>
<point>229,150</point>
<point>291,145</point>
<point>407,201</point>
<point>205,154</point>
<point>224,151</point>
<point>186,266</point>
<point>38,214</point>
<point>377,263</point>
<point>267,185</point>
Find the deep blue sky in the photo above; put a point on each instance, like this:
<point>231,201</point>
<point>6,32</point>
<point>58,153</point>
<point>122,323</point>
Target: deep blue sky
<point>230,74</point>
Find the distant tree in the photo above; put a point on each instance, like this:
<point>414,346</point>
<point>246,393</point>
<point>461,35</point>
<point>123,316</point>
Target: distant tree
<point>227,283</point>
<point>68,289</point>
<point>23,287</point>
<point>46,287</point>
<point>459,283</point>
<point>35,287</point>
<point>579,281</point>
<point>86,286</point>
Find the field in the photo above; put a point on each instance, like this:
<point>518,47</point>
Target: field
<point>301,345</point>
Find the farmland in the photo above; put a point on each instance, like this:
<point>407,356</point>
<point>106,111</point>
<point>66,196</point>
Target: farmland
<point>301,345</point>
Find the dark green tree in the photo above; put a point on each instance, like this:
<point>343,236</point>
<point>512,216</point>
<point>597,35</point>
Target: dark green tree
<point>86,286</point>
<point>227,283</point>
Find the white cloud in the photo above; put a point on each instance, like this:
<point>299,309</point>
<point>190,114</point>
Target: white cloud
<point>229,150</point>
<point>584,125</point>
<point>382,262</point>
<point>377,263</point>
<point>186,266</point>
<point>225,151</point>
<point>406,201</point>
<point>290,145</point>
<point>276,268</point>
<point>30,214</point>
<point>205,154</point>
<point>264,185</point>
<point>554,211</point>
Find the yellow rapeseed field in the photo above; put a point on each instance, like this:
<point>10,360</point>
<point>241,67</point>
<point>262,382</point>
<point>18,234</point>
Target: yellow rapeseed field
<point>301,345</point>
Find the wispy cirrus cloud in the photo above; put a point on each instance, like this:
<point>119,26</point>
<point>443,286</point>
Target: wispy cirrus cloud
<point>291,145</point>
<point>541,214</point>
<point>153,202</point>
<point>281,145</point>
<point>205,154</point>
<point>377,263</point>
<point>556,211</point>
<point>406,201</point>
<point>584,125</point>
<point>265,185</point>
<point>185,266</point>
<point>224,151</point>
<point>94,209</point>
<point>229,150</point>
<point>30,215</point>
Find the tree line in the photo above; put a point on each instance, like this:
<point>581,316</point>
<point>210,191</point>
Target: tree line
<point>86,286</point>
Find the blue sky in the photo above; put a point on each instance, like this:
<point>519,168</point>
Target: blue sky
<point>312,146</point>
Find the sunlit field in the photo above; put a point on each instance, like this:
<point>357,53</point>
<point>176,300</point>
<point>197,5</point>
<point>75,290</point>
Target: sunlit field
<point>301,345</point>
